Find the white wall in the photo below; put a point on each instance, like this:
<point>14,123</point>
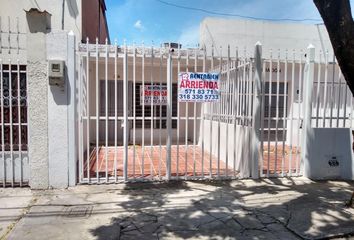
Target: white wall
<point>157,134</point>
<point>72,13</point>
<point>324,145</point>
<point>58,115</point>
<point>11,10</point>
<point>272,35</point>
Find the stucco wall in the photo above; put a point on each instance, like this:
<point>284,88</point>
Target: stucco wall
<point>72,13</point>
<point>12,12</point>
<point>38,122</point>
<point>324,145</point>
<point>58,115</point>
<point>272,35</point>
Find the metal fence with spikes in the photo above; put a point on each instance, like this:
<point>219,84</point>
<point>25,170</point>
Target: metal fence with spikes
<point>255,128</point>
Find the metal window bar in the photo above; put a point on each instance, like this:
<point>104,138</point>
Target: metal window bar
<point>300,117</point>
<point>2,124</point>
<point>178,114</point>
<point>106,109</point>
<point>143,114</point>
<point>14,148</point>
<point>285,113</point>
<point>269,111</point>
<point>151,114</point>
<point>203,115</point>
<point>116,112</point>
<point>134,110</point>
<point>80,128</point>
<point>19,121</point>
<point>325,102</point>
<point>160,123</point>
<point>332,92</point>
<point>219,113</point>
<point>262,120</point>
<point>195,118</point>
<point>211,106</point>
<point>227,111</point>
<point>125,113</point>
<point>277,114</point>
<point>186,127</point>
<point>318,89</point>
<point>88,110</point>
<point>11,126</point>
<point>235,109</point>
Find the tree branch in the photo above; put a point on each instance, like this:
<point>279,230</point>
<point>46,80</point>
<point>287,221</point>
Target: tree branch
<point>337,17</point>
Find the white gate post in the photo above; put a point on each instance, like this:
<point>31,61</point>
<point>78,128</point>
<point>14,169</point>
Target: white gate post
<point>125,113</point>
<point>307,103</point>
<point>256,124</point>
<point>72,127</point>
<point>169,115</point>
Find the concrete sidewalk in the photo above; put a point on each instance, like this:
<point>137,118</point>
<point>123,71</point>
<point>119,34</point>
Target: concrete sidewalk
<point>294,208</point>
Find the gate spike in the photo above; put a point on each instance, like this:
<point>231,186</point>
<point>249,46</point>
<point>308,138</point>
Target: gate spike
<point>228,51</point>
<point>286,54</point>
<point>245,53</point>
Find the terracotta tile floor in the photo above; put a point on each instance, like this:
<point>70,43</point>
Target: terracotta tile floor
<point>154,163</point>
<point>277,154</point>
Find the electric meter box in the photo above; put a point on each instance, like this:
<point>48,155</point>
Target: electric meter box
<point>56,72</point>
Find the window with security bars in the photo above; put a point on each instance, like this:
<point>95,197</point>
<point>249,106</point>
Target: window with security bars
<point>273,101</point>
<point>159,111</point>
<point>13,108</point>
<point>270,120</point>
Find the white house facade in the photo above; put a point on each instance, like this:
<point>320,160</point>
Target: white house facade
<point>77,108</point>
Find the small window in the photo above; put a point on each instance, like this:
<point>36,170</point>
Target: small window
<point>14,107</point>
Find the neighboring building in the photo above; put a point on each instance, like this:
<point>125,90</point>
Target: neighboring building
<point>94,22</point>
<point>221,32</point>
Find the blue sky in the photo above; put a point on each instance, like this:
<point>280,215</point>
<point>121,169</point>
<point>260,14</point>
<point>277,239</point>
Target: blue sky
<point>154,22</point>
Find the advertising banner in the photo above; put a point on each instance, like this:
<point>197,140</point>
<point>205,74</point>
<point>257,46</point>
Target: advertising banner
<point>198,87</point>
<point>155,93</point>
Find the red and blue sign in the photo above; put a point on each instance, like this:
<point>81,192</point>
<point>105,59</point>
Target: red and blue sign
<point>198,87</point>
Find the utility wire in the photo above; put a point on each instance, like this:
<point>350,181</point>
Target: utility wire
<point>237,15</point>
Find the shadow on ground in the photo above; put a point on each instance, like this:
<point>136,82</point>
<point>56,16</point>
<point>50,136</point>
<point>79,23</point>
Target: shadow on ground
<point>269,209</point>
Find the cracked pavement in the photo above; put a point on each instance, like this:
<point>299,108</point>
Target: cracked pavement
<point>287,208</point>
